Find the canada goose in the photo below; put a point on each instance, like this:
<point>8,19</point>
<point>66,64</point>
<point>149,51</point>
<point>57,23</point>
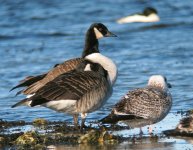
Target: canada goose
<point>149,15</point>
<point>95,32</point>
<point>83,89</point>
<point>143,106</point>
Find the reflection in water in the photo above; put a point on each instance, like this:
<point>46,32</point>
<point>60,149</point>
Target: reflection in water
<point>142,145</point>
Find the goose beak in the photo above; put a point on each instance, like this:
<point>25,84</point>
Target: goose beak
<point>110,34</point>
<point>169,85</point>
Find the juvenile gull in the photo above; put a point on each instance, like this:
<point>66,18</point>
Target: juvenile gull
<point>143,106</point>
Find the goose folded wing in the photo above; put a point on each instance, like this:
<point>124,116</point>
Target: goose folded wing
<point>72,85</point>
<point>29,80</point>
<point>34,83</point>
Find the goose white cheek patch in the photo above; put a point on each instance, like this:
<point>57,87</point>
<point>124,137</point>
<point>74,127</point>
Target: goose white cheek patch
<point>98,33</point>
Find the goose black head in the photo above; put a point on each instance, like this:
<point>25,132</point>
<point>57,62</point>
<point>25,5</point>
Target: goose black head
<point>101,31</point>
<point>95,32</point>
<point>149,10</point>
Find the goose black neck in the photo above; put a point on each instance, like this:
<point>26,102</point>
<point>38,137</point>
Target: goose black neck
<point>91,43</point>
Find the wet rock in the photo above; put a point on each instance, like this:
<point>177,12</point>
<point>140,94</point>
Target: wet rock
<point>2,140</point>
<point>175,132</point>
<point>6,124</point>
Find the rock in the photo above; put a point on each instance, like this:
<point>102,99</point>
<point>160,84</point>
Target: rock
<point>28,138</point>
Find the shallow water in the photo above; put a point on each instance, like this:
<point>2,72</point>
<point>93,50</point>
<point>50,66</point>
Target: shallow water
<point>37,34</point>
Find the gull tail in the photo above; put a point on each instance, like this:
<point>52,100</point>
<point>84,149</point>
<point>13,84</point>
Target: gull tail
<point>110,119</point>
<point>113,118</point>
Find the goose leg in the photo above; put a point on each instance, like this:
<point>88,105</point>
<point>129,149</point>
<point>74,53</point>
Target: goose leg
<point>75,117</point>
<point>83,118</point>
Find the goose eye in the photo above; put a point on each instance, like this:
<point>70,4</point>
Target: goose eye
<point>100,29</point>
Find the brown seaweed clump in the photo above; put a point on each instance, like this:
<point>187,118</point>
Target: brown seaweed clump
<point>28,138</point>
<point>40,122</point>
<point>97,136</point>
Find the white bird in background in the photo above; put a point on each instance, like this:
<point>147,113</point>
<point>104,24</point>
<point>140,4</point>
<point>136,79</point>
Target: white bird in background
<point>148,15</point>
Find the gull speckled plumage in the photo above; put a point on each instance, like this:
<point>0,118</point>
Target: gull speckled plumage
<point>143,106</point>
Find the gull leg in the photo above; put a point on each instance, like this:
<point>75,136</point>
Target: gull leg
<point>75,117</point>
<point>140,131</point>
<point>83,118</point>
<point>150,130</point>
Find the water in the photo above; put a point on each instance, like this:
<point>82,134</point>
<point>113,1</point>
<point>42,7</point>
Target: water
<point>37,34</point>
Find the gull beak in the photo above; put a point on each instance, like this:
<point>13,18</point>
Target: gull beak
<point>169,85</point>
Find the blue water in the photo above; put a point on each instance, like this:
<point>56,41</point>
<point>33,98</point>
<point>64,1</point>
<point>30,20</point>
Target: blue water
<point>35,35</point>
